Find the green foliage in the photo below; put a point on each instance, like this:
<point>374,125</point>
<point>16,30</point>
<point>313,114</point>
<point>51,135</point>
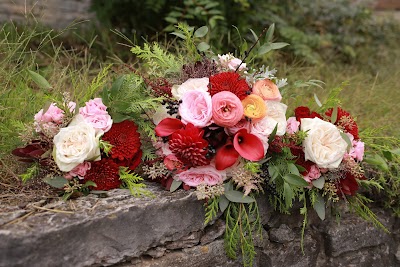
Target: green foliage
<point>211,208</point>
<point>31,172</point>
<point>133,182</point>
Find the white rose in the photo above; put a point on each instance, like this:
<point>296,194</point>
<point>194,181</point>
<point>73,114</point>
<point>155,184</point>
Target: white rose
<point>323,145</point>
<point>198,84</point>
<point>75,144</point>
<point>276,114</point>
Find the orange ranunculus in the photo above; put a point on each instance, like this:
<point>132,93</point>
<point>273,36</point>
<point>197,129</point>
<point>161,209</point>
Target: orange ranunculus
<point>267,90</point>
<point>254,107</point>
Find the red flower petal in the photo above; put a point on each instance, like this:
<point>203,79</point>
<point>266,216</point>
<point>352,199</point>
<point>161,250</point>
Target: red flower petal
<point>225,157</point>
<point>248,145</point>
<point>168,126</point>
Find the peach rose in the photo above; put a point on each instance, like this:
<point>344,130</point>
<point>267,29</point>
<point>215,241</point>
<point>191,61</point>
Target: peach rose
<point>267,90</point>
<point>254,107</point>
<point>227,109</point>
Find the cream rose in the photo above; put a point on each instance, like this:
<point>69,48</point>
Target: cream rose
<point>323,145</point>
<point>75,144</point>
<point>197,84</point>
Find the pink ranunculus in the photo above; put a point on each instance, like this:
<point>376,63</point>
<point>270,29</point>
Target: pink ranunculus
<point>230,62</point>
<point>313,174</point>
<point>357,151</point>
<point>292,125</point>
<point>242,124</point>
<point>202,175</point>
<point>227,109</point>
<point>79,171</point>
<point>53,114</point>
<point>93,107</point>
<point>267,90</point>
<point>196,108</point>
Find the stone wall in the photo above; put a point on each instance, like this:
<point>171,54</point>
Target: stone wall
<point>55,13</point>
<point>168,231</point>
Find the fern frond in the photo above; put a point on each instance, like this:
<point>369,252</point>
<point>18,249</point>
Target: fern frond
<point>97,84</point>
<point>211,208</point>
<point>133,182</point>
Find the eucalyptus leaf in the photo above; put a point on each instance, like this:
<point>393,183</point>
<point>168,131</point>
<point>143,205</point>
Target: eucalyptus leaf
<point>319,206</point>
<point>203,46</point>
<point>228,186</point>
<point>223,203</point>
<point>295,179</point>
<point>347,139</point>
<point>276,46</point>
<point>39,80</point>
<point>255,37</point>
<point>334,114</point>
<point>319,183</point>
<point>265,48</point>
<point>175,185</point>
<point>56,181</point>
<point>201,32</point>
<point>270,33</point>
<point>317,100</point>
<point>180,35</point>
<point>238,197</point>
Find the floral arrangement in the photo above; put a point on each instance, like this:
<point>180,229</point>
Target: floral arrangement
<point>213,123</point>
<point>81,149</point>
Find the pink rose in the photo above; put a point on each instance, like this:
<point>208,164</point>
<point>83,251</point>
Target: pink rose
<point>267,90</point>
<point>196,108</point>
<point>79,171</point>
<point>202,175</point>
<point>242,124</point>
<point>263,127</point>
<point>52,114</point>
<point>230,62</point>
<point>195,84</point>
<point>95,113</point>
<point>313,174</point>
<point>292,125</point>
<point>357,151</point>
<point>227,109</point>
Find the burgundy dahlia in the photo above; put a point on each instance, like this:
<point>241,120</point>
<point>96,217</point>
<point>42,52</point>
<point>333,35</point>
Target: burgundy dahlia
<point>105,174</point>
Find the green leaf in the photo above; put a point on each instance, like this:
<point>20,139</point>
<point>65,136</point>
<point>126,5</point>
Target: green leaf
<point>223,203</point>
<point>180,35</point>
<point>228,186</point>
<point>175,185</point>
<point>56,181</point>
<point>270,33</point>
<point>319,183</point>
<point>395,151</point>
<point>295,180</point>
<point>238,197</point>
<point>293,169</point>
<point>287,194</point>
<point>265,48</point>
<point>273,172</point>
<point>255,37</point>
<point>300,168</point>
<point>317,100</point>
<point>334,115</point>
<point>116,86</point>
<point>201,32</point>
<point>39,80</point>
<point>276,46</point>
<point>377,161</point>
<point>90,183</point>
<point>203,46</point>
<point>319,206</point>
<point>387,154</point>
<point>272,135</point>
<point>347,139</point>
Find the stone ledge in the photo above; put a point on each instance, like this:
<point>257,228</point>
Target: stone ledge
<point>168,230</point>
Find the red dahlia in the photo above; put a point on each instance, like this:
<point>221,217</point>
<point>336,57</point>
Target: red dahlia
<point>189,146</point>
<point>104,173</point>
<point>229,81</point>
<point>345,121</point>
<point>124,138</point>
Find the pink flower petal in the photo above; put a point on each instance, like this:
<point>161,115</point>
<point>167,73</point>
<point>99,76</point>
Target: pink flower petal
<point>168,126</point>
<point>248,145</point>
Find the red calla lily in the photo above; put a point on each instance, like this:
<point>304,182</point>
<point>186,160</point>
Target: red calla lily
<point>248,145</point>
<point>168,126</point>
<point>225,157</point>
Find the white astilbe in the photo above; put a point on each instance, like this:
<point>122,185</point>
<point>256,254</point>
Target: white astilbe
<point>155,171</point>
<point>204,191</point>
<point>247,180</point>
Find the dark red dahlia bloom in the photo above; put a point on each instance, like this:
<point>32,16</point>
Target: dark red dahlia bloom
<point>345,121</point>
<point>189,146</point>
<point>104,173</point>
<point>130,163</point>
<point>304,112</point>
<point>229,81</point>
<point>125,139</point>
<point>347,185</point>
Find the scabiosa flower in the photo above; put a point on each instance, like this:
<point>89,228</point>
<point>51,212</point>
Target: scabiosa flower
<point>104,173</point>
<point>124,138</point>
<point>229,81</point>
<point>188,146</point>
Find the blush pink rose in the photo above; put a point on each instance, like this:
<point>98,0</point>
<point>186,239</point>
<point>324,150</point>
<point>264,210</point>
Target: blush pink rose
<point>202,175</point>
<point>95,113</point>
<point>230,62</point>
<point>79,171</point>
<point>227,109</point>
<point>267,90</point>
<point>292,125</point>
<point>52,114</point>
<point>242,124</point>
<point>357,151</point>
<point>196,108</point>
<point>313,174</point>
